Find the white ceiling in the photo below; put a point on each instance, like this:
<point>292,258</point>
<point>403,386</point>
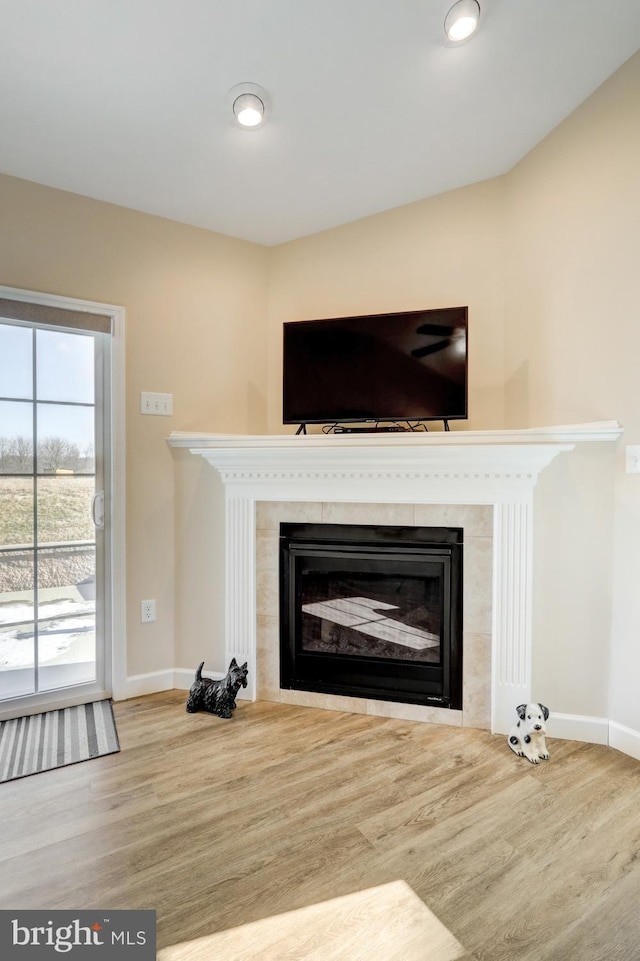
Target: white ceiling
<point>126,100</point>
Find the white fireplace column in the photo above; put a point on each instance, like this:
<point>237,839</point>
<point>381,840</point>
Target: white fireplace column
<point>512,583</point>
<point>240,585</point>
<point>497,468</point>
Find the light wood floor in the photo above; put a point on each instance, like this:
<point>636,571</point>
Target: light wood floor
<point>216,824</point>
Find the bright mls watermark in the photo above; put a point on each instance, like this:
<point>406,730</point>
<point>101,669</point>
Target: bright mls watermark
<point>32,935</point>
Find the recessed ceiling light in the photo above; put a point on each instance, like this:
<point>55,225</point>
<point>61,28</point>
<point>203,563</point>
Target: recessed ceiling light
<point>249,110</point>
<point>249,103</point>
<point>462,20</point>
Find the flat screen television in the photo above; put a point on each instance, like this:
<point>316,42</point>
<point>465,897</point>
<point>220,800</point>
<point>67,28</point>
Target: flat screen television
<point>409,366</point>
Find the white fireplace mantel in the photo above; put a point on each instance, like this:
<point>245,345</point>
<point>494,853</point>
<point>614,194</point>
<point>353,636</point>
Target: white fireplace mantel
<point>499,468</point>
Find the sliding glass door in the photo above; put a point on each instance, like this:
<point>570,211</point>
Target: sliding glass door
<point>53,459</point>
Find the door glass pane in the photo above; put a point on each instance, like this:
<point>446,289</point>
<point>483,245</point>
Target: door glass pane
<point>65,439</point>
<point>16,437</point>
<point>16,511</point>
<point>66,616</point>
<point>16,361</point>
<point>64,509</point>
<point>17,674</point>
<point>65,367</point>
<point>48,626</point>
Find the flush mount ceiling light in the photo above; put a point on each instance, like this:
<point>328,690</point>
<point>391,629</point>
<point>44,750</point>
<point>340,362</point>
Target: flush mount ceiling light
<point>462,20</point>
<point>249,104</point>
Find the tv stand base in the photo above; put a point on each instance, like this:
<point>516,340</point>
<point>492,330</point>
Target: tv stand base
<point>395,428</point>
<point>372,429</point>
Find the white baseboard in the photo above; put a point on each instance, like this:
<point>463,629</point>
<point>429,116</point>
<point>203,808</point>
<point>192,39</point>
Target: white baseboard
<point>138,684</point>
<point>576,727</point>
<point>624,739</point>
<point>595,730</point>
<point>180,679</point>
<point>183,677</point>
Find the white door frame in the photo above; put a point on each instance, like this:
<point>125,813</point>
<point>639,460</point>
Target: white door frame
<point>117,602</point>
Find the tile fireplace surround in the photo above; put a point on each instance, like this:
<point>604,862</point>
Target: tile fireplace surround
<point>482,481</point>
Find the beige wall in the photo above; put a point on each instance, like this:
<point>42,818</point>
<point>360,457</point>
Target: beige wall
<point>195,309</point>
<point>442,252</point>
<point>571,348</point>
<point>546,259</point>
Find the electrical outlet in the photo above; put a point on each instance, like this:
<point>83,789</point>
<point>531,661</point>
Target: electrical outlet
<point>147,611</point>
<point>161,404</point>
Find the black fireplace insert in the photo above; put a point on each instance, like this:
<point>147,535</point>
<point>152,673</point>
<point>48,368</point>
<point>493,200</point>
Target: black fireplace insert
<point>372,611</point>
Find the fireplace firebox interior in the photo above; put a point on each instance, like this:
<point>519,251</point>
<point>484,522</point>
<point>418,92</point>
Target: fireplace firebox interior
<point>372,611</point>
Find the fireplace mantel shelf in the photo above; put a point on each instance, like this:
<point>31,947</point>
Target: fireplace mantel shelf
<point>608,430</point>
<point>488,456</point>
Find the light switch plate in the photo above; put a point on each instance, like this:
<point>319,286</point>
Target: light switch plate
<point>161,404</point>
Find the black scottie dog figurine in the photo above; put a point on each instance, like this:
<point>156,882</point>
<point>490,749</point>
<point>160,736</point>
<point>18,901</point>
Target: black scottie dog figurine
<point>217,697</point>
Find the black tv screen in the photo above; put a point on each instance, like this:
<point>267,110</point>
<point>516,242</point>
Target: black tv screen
<point>380,367</point>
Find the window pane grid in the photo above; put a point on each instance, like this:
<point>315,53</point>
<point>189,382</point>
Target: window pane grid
<point>47,444</point>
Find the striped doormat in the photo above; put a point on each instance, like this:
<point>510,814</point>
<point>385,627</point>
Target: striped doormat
<point>41,742</point>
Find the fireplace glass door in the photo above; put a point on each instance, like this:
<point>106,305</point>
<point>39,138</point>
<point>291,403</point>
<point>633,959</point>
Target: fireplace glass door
<point>372,612</point>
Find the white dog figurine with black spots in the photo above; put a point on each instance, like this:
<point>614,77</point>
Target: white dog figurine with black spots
<point>527,737</point>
